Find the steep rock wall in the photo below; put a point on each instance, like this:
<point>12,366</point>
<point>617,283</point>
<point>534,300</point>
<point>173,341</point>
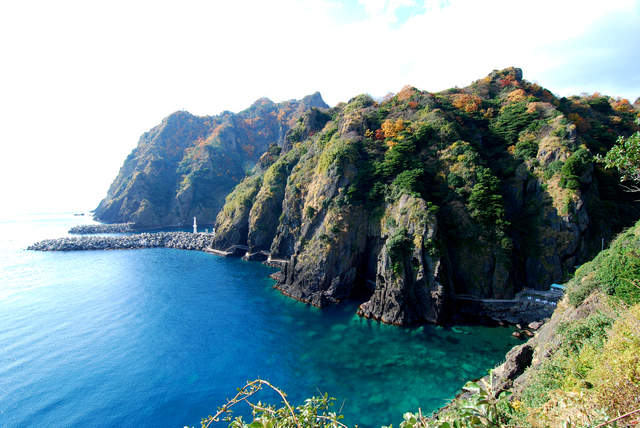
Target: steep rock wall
<point>478,192</point>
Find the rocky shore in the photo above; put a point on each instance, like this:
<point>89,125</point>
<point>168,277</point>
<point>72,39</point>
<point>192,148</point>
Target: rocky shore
<point>91,229</point>
<point>179,240</point>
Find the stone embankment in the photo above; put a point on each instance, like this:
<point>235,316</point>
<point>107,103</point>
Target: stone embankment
<point>179,240</point>
<point>91,229</point>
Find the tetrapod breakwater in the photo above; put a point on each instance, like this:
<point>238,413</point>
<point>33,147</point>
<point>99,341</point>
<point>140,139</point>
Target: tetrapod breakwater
<point>90,229</point>
<point>179,240</point>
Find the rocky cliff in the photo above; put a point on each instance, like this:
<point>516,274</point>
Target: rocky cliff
<point>421,197</point>
<point>186,166</point>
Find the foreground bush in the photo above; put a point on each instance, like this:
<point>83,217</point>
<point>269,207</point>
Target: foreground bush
<point>615,271</point>
<point>314,413</point>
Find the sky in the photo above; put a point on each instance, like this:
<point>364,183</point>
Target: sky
<point>81,81</point>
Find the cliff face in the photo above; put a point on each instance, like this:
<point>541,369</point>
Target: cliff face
<point>478,191</point>
<point>186,166</point>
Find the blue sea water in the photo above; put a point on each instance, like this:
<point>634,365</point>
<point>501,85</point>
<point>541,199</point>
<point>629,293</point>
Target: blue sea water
<point>162,337</point>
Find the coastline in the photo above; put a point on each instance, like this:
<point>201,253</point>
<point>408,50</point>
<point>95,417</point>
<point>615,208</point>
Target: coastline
<point>176,240</point>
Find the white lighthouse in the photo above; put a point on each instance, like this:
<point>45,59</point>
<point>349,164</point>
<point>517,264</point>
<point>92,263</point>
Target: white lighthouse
<point>195,226</point>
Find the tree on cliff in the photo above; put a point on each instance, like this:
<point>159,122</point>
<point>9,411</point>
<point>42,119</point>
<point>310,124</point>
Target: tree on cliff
<point>485,200</point>
<point>625,156</point>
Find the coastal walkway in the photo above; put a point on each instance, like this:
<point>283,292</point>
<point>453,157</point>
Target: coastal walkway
<point>477,299</point>
<point>276,262</point>
<point>231,251</point>
<point>262,255</point>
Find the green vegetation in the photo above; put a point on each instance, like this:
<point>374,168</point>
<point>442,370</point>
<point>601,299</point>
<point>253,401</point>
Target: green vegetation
<point>314,413</point>
<point>591,378</point>
<point>185,166</point>
<point>574,168</point>
<point>512,119</point>
<point>485,203</point>
<point>399,247</point>
<point>243,196</point>
<point>625,157</point>
<point>507,169</point>
<point>615,271</point>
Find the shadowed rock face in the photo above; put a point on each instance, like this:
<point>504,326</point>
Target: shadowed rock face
<point>186,166</point>
<point>479,191</point>
<point>408,287</point>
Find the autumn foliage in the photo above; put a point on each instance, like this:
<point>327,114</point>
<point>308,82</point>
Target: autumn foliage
<point>466,102</point>
<point>517,96</point>
<point>406,92</point>
<point>392,129</point>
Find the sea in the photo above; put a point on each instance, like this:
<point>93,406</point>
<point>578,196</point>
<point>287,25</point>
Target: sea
<point>163,337</point>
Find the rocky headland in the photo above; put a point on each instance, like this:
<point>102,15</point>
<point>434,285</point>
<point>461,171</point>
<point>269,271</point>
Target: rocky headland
<point>186,166</point>
<point>465,204</point>
<point>418,198</point>
<point>433,204</point>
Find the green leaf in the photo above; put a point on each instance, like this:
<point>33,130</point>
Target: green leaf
<point>504,394</point>
<point>474,420</point>
<point>472,387</point>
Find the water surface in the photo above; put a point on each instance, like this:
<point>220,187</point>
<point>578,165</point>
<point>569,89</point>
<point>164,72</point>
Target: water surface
<point>161,337</point>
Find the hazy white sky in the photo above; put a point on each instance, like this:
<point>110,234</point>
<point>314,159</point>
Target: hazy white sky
<point>80,81</point>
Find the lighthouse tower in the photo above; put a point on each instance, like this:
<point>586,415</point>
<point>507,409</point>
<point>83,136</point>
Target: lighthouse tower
<point>195,226</point>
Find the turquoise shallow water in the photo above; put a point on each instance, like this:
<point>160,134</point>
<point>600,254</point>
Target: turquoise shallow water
<point>162,337</point>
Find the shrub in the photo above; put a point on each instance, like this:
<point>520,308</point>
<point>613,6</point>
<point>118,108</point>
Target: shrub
<point>600,104</point>
<point>337,151</point>
<point>454,180</point>
<point>614,271</point>
<point>512,119</point>
<point>485,200</point>
<point>295,134</point>
<point>582,289</point>
<point>314,413</point>
<point>617,377</point>
<point>310,212</point>
<point>591,330</point>
<point>359,102</point>
<point>398,247</point>
<point>577,163</point>
<point>553,168</point>
<point>325,239</point>
<point>410,180</point>
<point>527,148</point>
<point>573,184</point>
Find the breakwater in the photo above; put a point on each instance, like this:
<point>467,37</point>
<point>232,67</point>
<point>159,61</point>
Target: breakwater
<point>90,229</point>
<point>179,240</point>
